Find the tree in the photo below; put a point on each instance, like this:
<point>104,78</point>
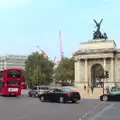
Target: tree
<point>38,69</point>
<point>65,70</point>
<point>23,76</point>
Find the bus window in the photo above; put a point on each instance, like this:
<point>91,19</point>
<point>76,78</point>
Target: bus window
<point>13,82</point>
<point>14,73</point>
<point>1,84</point>
<point>1,74</point>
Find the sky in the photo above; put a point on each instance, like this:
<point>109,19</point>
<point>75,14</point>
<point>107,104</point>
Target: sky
<point>24,24</point>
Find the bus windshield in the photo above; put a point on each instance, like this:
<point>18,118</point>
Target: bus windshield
<point>13,73</point>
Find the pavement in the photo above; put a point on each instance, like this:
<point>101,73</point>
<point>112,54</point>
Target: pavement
<point>25,108</point>
<point>88,94</point>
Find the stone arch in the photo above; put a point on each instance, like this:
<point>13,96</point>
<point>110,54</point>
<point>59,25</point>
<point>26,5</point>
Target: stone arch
<point>95,70</point>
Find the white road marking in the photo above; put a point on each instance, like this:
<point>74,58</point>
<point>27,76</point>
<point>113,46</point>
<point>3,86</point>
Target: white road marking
<point>88,112</point>
<point>21,117</point>
<point>101,112</point>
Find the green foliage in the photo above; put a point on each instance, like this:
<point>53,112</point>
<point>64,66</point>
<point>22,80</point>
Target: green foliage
<point>23,76</point>
<point>65,70</point>
<point>38,69</point>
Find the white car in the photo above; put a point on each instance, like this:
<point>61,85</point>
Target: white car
<point>37,90</point>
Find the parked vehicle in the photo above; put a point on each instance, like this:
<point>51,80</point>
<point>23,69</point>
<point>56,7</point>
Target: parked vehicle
<point>23,85</point>
<point>37,90</point>
<point>113,95</point>
<point>61,95</point>
<point>64,83</point>
<point>10,81</point>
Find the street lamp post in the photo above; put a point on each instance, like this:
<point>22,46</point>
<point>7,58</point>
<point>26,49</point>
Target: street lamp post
<point>103,77</point>
<point>100,76</point>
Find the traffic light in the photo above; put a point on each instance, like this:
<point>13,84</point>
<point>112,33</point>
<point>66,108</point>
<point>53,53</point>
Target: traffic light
<point>107,74</point>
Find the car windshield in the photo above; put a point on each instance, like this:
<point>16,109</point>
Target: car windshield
<point>44,88</point>
<point>34,88</point>
<point>67,89</point>
<point>118,89</point>
<point>113,89</point>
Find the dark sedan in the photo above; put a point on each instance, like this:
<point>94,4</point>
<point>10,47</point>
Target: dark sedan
<point>110,97</point>
<point>61,95</point>
<point>114,95</point>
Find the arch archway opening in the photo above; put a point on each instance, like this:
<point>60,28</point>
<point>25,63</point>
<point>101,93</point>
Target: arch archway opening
<point>96,70</point>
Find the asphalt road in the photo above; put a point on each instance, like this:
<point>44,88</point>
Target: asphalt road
<point>25,108</point>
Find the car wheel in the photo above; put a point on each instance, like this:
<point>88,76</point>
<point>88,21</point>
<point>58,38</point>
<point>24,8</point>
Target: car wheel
<point>42,99</point>
<point>29,94</point>
<point>105,98</point>
<point>62,100</point>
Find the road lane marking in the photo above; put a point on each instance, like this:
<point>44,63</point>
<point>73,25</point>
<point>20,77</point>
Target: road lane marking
<point>88,112</point>
<point>101,112</point>
<point>21,117</point>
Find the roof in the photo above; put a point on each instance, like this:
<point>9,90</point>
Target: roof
<point>89,51</point>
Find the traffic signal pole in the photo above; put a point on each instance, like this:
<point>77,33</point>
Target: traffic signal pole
<point>106,75</point>
<point>103,86</point>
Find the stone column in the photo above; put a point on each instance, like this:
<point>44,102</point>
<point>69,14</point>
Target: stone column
<point>79,70</point>
<point>86,71</point>
<point>116,70</point>
<point>104,66</point>
<point>112,70</point>
<point>76,72</point>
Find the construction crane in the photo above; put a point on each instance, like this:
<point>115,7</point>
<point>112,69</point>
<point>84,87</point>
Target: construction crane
<point>61,49</point>
<point>45,54</point>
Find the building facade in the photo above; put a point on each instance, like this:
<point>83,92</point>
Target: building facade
<point>96,55</point>
<point>12,61</point>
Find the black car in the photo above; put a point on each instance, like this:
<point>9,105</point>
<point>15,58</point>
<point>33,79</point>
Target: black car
<point>61,95</point>
<point>110,97</point>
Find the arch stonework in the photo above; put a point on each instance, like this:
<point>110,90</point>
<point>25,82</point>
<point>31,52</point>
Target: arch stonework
<point>105,54</point>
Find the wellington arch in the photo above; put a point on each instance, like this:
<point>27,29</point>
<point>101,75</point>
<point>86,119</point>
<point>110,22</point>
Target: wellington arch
<point>93,55</point>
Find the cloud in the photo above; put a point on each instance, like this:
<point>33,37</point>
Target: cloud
<point>11,3</point>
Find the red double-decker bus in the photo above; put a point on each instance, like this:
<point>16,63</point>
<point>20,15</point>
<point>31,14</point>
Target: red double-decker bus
<point>10,81</point>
